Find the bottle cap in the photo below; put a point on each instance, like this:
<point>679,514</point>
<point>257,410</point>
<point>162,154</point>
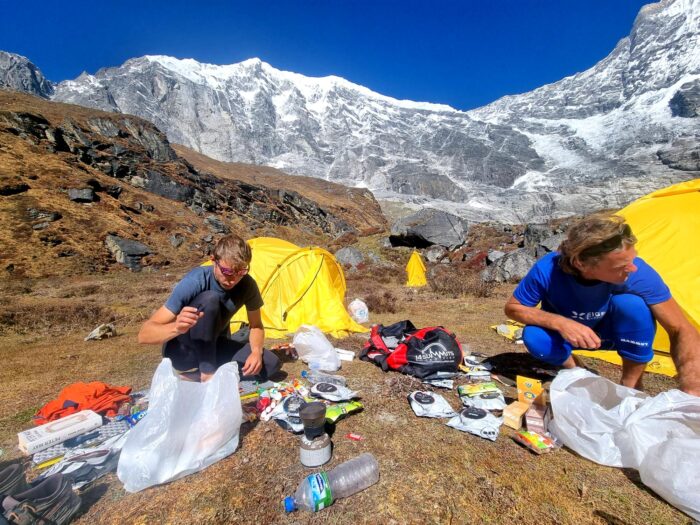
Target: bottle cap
<point>304,374</point>
<point>289,504</point>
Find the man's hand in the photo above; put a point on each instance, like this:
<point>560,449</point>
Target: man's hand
<point>187,318</point>
<point>253,364</point>
<point>205,377</point>
<point>577,334</point>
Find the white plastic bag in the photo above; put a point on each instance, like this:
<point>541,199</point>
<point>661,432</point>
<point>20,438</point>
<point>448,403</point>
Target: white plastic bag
<point>313,348</point>
<point>622,427</point>
<point>358,311</point>
<point>188,427</point>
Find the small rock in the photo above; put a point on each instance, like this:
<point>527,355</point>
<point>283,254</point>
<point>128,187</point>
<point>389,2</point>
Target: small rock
<point>176,240</point>
<point>82,195</point>
<point>41,226</point>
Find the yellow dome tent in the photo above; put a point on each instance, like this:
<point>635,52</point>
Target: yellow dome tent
<point>415,271</point>
<point>299,286</point>
<point>667,226</point>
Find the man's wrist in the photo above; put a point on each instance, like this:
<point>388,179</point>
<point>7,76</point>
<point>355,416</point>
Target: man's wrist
<point>257,351</point>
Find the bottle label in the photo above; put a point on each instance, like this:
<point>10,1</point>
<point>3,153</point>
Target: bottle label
<point>320,490</point>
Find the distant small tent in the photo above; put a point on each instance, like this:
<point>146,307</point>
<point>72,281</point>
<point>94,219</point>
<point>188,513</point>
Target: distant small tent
<point>667,226</point>
<point>415,271</point>
<point>299,286</point>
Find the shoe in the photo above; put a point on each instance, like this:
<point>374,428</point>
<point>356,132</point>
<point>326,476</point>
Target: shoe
<point>50,502</point>
<point>12,480</point>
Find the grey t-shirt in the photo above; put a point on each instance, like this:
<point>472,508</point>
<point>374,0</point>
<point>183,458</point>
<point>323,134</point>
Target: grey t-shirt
<point>201,279</point>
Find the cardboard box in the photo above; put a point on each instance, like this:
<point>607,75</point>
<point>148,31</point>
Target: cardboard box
<point>513,414</point>
<point>530,390</point>
<point>54,432</point>
<point>537,418</point>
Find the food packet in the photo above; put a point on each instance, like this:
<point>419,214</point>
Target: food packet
<point>478,422</point>
<point>474,389</point>
<point>535,442</point>
<point>441,383</point>
<point>486,401</point>
<point>339,411</point>
<point>286,414</point>
<point>429,404</point>
<point>332,392</point>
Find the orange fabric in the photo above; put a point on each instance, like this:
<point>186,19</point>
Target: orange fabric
<point>96,396</point>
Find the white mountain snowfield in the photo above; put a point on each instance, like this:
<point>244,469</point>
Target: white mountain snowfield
<point>597,139</point>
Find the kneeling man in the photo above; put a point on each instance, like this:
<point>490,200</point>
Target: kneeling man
<point>595,293</point>
<point>193,325</point>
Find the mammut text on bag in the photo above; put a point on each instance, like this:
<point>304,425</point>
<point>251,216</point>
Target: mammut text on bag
<point>417,352</point>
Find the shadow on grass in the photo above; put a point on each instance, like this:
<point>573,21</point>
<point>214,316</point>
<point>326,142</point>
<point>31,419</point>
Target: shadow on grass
<point>512,364</point>
<point>91,496</point>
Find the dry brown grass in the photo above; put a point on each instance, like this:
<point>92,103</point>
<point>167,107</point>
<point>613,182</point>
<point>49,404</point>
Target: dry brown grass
<point>455,281</point>
<point>430,473</point>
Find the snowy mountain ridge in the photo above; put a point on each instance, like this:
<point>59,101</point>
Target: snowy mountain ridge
<point>596,139</point>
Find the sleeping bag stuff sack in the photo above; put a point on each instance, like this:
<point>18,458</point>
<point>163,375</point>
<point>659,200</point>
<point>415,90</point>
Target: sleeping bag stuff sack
<point>417,352</point>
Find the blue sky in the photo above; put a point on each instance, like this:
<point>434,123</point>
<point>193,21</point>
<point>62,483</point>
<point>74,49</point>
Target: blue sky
<point>463,53</point>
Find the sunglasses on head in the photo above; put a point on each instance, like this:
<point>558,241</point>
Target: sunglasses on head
<point>608,245</point>
<point>230,272</point>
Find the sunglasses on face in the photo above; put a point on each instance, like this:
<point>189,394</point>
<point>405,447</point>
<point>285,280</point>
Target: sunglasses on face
<point>231,272</point>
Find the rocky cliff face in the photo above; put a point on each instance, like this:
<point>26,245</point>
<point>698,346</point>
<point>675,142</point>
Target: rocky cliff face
<point>19,74</point>
<point>597,139</point>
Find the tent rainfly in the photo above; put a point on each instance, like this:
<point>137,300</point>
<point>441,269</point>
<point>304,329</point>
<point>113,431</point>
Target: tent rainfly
<point>667,226</point>
<point>415,271</point>
<point>299,286</point>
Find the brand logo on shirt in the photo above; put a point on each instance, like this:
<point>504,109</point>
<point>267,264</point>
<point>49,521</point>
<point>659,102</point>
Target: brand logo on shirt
<point>630,341</point>
<point>586,316</point>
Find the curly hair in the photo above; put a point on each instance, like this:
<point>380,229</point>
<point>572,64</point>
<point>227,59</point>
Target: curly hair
<point>589,239</point>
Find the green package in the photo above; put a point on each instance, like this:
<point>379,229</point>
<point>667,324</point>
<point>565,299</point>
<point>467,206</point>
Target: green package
<point>336,412</point>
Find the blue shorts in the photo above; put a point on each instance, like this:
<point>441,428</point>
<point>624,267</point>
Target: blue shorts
<point>628,327</point>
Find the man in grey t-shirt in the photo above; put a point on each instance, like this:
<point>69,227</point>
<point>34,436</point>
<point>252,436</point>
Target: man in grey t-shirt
<point>193,324</point>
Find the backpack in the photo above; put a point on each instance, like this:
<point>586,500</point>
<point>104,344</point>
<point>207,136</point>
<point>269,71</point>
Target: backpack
<point>417,352</point>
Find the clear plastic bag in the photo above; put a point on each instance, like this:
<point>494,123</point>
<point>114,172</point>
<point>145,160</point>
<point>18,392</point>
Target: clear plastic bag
<point>621,427</point>
<point>188,427</point>
<point>358,311</point>
<point>313,348</point>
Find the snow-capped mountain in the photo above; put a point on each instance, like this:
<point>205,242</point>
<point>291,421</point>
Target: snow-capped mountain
<point>596,139</point>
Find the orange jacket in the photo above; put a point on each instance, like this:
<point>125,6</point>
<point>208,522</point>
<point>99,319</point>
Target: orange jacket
<point>99,397</point>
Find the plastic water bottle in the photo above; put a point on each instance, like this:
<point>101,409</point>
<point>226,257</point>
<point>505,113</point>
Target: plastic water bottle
<point>314,376</point>
<point>320,490</point>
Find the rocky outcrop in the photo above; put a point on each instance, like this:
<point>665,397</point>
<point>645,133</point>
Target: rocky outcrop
<point>135,152</point>
<point>19,74</point>
<point>428,227</point>
<point>686,102</point>
<point>127,252</point>
<point>682,154</point>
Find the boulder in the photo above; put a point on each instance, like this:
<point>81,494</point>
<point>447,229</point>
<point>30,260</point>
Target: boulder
<point>535,234</point>
<point>349,256</point>
<point>435,254</point>
<point>493,256</point>
<point>550,244</point>
<point>82,195</point>
<point>127,252</point>
<point>428,227</point>
<point>511,267</point>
